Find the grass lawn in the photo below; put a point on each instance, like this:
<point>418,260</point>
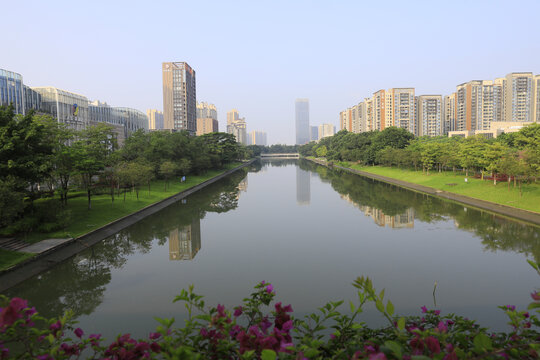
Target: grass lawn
<point>104,210</point>
<point>10,258</point>
<point>455,183</point>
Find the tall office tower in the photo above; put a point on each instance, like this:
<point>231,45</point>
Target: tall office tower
<point>314,133</point>
<point>185,242</point>
<point>302,121</point>
<point>430,119</point>
<point>67,107</point>
<point>155,119</point>
<point>449,113</point>
<point>179,97</point>
<point>257,138</point>
<point>519,97</point>
<point>403,109</point>
<point>326,130</point>
<point>205,110</point>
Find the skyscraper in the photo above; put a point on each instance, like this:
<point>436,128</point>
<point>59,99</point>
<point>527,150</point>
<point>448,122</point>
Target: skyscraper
<point>179,97</point>
<point>206,118</point>
<point>155,119</point>
<point>519,99</point>
<point>326,130</point>
<point>257,138</point>
<point>302,121</point>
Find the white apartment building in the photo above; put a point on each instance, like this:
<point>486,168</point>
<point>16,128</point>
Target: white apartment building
<point>429,113</point>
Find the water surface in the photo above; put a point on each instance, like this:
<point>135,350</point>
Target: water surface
<point>310,231</point>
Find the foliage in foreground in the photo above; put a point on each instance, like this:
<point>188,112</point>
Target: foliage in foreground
<point>250,332</point>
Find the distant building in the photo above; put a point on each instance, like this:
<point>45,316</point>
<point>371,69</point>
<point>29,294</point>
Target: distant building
<point>155,119</point>
<point>206,110</point>
<point>257,138</point>
<point>237,126</point>
<point>207,121</point>
<point>302,121</point>
<point>430,115</point>
<point>67,107</point>
<point>314,133</point>
<point>179,97</point>
<point>326,130</point>
<point>207,126</point>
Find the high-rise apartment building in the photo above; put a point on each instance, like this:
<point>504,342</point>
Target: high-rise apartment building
<point>449,113</point>
<point>403,109</point>
<point>430,115</point>
<point>155,119</point>
<point>519,98</point>
<point>232,116</point>
<point>345,120</point>
<point>537,98</point>
<point>478,104</point>
<point>206,118</point>
<point>302,121</point>
<point>206,110</point>
<point>179,97</point>
<point>314,133</point>
<point>237,126</point>
<point>326,130</point>
<point>257,138</point>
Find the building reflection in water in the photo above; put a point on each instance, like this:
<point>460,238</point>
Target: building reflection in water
<point>185,242</point>
<point>303,187</point>
<point>404,220</point>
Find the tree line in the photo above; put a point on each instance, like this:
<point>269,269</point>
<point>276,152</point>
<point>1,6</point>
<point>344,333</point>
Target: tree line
<point>41,158</point>
<point>511,156</point>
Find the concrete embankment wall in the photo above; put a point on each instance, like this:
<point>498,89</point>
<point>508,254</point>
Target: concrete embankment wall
<point>46,260</point>
<point>512,212</point>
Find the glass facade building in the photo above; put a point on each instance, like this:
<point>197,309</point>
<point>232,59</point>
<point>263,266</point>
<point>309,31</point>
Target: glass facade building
<point>179,97</point>
<point>302,121</point>
<point>12,90</point>
<point>67,107</point>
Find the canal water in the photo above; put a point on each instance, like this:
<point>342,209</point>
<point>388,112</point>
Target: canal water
<point>308,230</point>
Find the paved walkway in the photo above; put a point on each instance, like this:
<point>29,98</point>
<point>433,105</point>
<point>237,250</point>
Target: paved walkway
<point>13,244</point>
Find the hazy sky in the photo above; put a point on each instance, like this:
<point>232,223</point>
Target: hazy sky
<point>259,56</point>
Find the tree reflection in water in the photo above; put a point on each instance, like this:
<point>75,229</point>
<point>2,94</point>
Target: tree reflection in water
<point>80,282</point>
<point>496,232</point>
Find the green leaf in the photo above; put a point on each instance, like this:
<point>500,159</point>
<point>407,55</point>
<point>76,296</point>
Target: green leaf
<point>482,343</point>
<point>311,353</point>
<point>420,357</point>
<point>394,347</point>
<point>535,265</point>
<point>401,323</point>
<point>352,306</point>
<point>390,308</point>
<point>267,354</point>
<point>379,305</point>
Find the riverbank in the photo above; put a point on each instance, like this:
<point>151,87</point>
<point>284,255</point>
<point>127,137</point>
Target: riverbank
<point>25,267</point>
<point>475,192</point>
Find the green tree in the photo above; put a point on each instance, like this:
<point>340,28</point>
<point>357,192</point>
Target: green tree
<point>322,151</point>
<point>90,154</point>
<point>168,170</point>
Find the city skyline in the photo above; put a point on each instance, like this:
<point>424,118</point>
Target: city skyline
<point>258,75</point>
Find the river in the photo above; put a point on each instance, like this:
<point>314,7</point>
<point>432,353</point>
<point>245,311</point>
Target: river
<point>308,230</point>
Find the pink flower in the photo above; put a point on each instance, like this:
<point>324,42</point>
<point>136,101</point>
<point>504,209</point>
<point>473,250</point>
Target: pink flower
<point>424,309</point>
<point>12,312</point>
<point>441,327</point>
<point>237,311</point>
<point>437,312</point>
<point>433,344</point>
<point>535,295</point>
<point>269,288</point>
<point>78,332</point>
<point>154,335</point>
<point>377,356</point>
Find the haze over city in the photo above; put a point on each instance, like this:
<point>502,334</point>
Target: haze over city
<point>259,57</point>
